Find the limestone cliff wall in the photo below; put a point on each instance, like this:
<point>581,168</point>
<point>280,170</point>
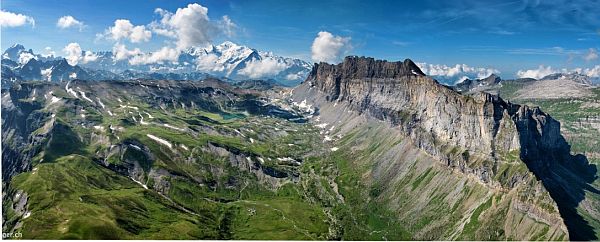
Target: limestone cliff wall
<point>475,134</point>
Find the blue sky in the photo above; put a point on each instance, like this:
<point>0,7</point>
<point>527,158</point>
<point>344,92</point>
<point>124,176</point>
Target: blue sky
<point>507,36</point>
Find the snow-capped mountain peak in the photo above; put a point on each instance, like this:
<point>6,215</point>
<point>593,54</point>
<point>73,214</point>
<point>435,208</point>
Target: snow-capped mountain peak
<point>228,60</point>
<point>14,52</point>
<point>229,45</point>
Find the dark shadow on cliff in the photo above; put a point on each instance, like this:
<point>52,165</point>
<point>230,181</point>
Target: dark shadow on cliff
<point>566,177</point>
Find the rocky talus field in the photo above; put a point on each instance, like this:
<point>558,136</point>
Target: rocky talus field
<point>362,150</point>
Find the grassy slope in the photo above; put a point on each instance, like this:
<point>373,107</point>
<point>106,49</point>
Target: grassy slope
<point>76,198</point>
<point>412,197</point>
<point>72,196</point>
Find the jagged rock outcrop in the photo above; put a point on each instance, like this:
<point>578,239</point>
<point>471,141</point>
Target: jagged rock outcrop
<point>477,84</point>
<point>266,175</point>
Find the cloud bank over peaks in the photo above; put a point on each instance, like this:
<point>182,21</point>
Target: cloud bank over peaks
<point>263,68</point>
<point>538,73</point>
<point>543,71</point>
<point>164,54</point>
<point>74,54</point>
<point>187,27</point>
<point>463,71</point>
<point>48,52</point>
<point>330,48</point>
<point>120,52</point>
<point>210,63</point>
<point>228,59</point>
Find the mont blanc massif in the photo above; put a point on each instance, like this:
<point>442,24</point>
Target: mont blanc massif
<point>224,141</point>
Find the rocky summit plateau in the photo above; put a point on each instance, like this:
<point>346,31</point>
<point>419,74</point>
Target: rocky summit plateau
<point>365,149</point>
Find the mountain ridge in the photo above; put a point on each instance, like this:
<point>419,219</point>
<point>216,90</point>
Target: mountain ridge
<point>483,127</point>
<point>227,60</point>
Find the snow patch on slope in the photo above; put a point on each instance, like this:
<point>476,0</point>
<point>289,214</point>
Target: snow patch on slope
<point>159,140</point>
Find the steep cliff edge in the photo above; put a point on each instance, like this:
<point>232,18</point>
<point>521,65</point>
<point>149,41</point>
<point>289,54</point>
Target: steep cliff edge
<point>438,118</point>
<point>480,135</point>
<point>22,114</point>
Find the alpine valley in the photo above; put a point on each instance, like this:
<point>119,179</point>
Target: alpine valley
<point>361,150</point>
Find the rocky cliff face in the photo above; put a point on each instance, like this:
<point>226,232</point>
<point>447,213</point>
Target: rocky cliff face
<point>478,84</point>
<point>478,134</point>
<point>483,128</point>
<point>21,116</point>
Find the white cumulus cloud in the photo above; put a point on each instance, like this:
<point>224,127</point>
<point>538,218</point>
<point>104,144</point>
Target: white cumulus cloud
<point>329,48</point>
<point>538,73</point>
<point>124,29</point>
<point>89,56</point>
<point>209,63</point>
<point>262,68</point>
<point>8,19</point>
<point>456,70</point>
<point>25,57</point>
<point>227,26</point>
<point>159,56</point>
<point>462,79</point>
<point>543,71</point>
<point>120,52</point>
<point>190,26</point>
<point>295,76</point>
<point>592,72</point>
<point>69,21</point>
<point>74,54</point>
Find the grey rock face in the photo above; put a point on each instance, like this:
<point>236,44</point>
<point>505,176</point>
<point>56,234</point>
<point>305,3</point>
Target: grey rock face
<point>21,116</point>
<point>266,175</point>
<point>480,135</point>
<point>477,84</point>
<point>470,133</point>
<point>575,77</point>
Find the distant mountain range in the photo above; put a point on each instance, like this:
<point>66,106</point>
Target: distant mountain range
<point>469,84</point>
<point>493,82</point>
<point>227,61</point>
